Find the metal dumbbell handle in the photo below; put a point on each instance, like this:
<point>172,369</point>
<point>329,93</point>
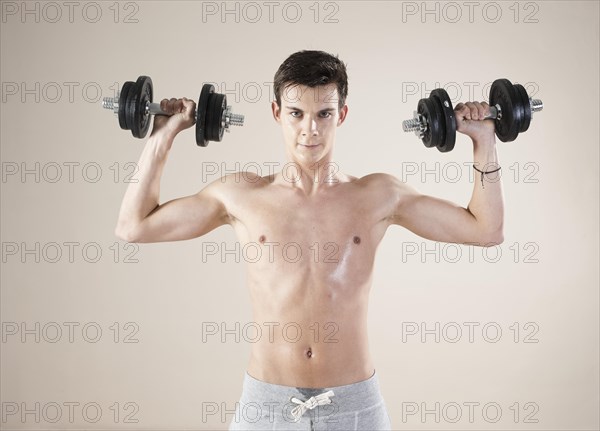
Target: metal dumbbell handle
<point>154,109</point>
<point>419,124</point>
<point>229,118</point>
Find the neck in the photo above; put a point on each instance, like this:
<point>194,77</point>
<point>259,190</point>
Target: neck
<point>311,178</point>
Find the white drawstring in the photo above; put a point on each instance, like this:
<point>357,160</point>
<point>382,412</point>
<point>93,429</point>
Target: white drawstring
<point>311,403</point>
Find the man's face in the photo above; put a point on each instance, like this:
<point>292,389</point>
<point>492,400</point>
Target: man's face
<point>309,118</point>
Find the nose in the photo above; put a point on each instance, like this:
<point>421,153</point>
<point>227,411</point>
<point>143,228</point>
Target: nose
<point>309,127</point>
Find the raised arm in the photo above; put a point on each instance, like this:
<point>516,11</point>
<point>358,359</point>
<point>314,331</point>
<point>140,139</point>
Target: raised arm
<point>142,218</point>
<point>481,222</point>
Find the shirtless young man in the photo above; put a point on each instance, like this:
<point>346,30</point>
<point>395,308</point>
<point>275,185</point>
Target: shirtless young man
<point>318,229</point>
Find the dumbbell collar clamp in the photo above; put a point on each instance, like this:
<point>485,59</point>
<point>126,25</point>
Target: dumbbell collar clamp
<point>418,124</point>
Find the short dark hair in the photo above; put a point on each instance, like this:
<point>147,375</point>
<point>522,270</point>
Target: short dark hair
<point>312,68</point>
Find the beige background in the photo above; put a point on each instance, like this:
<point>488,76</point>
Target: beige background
<point>170,375</point>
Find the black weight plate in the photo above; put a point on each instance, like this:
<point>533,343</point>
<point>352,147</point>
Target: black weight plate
<point>122,102</point>
<point>134,109</point>
<point>435,134</point>
<point>426,110</point>
<point>223,108</point>
<point>440,138</point>
<point>213,126</point>
<point>129,108</point>
<point>519,110</point>
<point>142,93</point>
<point>449,120</point>
<point>423,109</point>
<point>208,118</point>
<point>201,110</point>
<point>504,94</point>
<point>147,95</point>
<point>221,105</point>
<point>526,107</point>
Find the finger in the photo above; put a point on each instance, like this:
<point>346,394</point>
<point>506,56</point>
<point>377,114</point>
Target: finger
<point>192,109</point>
<point>169,106</point>
<point>188,104</point>
<point>486,109</point>
<point>182,106</point>
<point>164,103</point>
<point>464,112</point>
<point>178,106</point>
<point>480,110</point>
<point>474,112</point>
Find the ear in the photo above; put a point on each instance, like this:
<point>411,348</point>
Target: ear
<point>343,113</point>
<point>276,111</point>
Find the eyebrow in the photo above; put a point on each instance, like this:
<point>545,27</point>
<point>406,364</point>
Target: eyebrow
<point>293,108</point>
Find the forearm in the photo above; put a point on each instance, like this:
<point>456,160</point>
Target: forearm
<point>487,204</point>
<point>142,195</point>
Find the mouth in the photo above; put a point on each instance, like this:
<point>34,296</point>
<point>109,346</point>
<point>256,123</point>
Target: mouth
<point>309,145</point>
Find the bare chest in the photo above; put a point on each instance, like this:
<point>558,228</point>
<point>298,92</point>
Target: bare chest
<point>330,232</point>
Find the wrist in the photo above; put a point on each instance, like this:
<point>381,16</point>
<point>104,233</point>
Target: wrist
<point>484,143</point>
<point>487,141</point>
<point>161,141</point>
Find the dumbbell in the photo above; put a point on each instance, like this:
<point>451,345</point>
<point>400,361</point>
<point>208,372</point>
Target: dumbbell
<point>133,106</point>
<point>510,107</point>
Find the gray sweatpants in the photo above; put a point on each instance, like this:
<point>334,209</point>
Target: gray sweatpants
<point>265,406</point>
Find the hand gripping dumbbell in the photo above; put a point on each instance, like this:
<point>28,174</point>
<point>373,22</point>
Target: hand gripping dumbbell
<point>133,105</point>
<point>510,107</point>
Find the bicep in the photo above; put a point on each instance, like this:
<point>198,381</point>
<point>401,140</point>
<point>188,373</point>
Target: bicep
<point>183,218</point>
<point>434,218</point>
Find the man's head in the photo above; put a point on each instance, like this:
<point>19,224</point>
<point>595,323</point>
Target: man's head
<point>312,69</point>
<point>310,103</point>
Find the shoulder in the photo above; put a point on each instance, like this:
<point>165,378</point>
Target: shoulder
<point>238,181</point>
<point>232,187</point>
<point>383,194</point>
<point>384,181</point>
<point>233,192</point>
<point>389,192</point>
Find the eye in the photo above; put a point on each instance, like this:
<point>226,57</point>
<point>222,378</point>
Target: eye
<point>325,114</point>
<point>295,114</point>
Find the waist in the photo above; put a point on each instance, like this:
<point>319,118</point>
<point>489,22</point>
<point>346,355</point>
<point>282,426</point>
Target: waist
<point>311,366</point>
<point>347,398</point>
